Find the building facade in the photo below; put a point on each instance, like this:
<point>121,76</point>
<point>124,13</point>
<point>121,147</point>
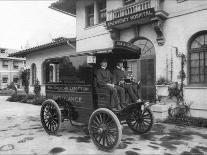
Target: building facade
<point>165,30</point>
<point>39,60</point>
<point>10,69</point>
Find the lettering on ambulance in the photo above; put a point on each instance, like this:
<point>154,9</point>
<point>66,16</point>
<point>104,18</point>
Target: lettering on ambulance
<point>72,99</point>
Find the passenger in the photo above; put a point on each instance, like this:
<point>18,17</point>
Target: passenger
<point>120,75</point>
<point>104,80</point>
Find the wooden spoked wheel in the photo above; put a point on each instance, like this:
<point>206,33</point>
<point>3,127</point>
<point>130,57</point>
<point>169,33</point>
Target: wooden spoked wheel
<point>50,116</point>
<point>105,129</point>
<point>140,121</point>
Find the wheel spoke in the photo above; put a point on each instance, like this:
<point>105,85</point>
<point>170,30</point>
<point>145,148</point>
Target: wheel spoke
<point>104,140</point>
<point>146,122</point>
<point>100,139</point>
<point>97,119</point>
<point>100,116</point>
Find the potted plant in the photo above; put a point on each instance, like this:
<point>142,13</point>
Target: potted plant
<point>162,86</point>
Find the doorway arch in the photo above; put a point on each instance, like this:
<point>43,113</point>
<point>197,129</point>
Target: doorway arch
<point>146,67</point>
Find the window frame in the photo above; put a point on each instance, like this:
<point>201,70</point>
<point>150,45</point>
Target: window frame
<point>101,10</point>
<point>15,66</point>
<point>199,50</point>
<point>5,65</point>
<point>3,77</point>
<point>16,78</point>
<point>89,15</point>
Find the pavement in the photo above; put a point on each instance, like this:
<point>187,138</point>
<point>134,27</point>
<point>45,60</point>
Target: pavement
<point>21,132</point>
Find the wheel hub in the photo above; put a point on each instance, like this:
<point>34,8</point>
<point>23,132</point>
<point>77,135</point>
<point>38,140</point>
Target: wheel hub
<point>102,129</point>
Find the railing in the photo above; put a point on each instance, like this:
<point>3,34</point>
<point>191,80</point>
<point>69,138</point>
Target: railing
<point>128,10</point>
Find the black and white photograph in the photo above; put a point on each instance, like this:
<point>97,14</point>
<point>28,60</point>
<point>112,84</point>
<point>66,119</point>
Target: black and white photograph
<point>111,77</point>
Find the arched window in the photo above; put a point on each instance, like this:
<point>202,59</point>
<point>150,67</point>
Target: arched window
<point>198,58</point>
<point>147,47</point>
<point>34,73</point>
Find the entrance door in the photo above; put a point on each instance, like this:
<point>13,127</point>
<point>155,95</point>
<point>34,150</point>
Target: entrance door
<point>146,68</point>
<point>148,79</point>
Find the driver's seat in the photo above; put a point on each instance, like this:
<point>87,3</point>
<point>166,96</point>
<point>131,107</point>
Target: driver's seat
<point>103,97</point>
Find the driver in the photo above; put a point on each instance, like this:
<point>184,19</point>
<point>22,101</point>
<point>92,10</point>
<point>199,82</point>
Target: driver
<point>104,80</point>
<point>119,76</point>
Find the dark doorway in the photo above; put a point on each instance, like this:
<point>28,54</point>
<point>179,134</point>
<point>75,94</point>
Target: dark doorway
<point>146,68</point>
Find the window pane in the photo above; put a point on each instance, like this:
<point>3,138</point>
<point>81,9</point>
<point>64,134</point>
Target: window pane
<point>205,62</point>
<point>202,70</point>
<point>194,56</point>
<point>102,11</point>
<point>194,78</point>
<point>90,10</point>
<point>200,39</point>
<point>194,63</point>
<point>195,44</point>
<point>90,15</point>
<point>91,21</point>
<point>194,71</point>
<point>201,55</point>
<point>205,39</point>
<point>201,62</point>
<point>201,78</point>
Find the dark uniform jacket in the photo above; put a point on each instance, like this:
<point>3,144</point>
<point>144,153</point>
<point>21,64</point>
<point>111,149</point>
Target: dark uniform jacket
<point>103,77</point>
<point>118,75</point>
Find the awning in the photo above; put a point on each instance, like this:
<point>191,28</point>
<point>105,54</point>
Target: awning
<point>126,50</point>
<point>120,50</point>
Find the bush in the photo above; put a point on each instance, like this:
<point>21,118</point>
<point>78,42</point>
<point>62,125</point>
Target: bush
<point>28,98</point>
<point>162,81</point>
<point>37,88</point>
<point>16,98</point>
<point>25,74</point>
<point>12,86</point>
<point>39,100</point>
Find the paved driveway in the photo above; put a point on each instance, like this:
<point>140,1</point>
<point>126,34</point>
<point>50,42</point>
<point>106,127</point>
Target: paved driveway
<point>21,133</point>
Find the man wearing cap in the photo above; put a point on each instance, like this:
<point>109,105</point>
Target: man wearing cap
<point>118,77</point>
<point>104,79</point>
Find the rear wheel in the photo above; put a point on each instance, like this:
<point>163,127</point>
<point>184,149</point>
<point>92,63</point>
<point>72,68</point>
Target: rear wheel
<point>105,129</point>
<point>141,121</point>
<point>50,116</point>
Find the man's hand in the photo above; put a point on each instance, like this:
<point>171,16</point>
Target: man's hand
<point>121,82</point>
<point>109,84</point>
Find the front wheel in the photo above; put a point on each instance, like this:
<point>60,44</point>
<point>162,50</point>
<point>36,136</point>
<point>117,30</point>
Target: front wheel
<point>50,116</point>
<point>105,129</point>
<point>140,121</point>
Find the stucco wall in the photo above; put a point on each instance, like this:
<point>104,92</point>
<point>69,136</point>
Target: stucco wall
<point>90,38</point>
<point>184,20</point>
<point>39,57</point>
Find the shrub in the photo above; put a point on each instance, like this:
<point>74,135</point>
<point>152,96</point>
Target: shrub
<point>162,81</point>
<point>28,98</point>
<point>12,86</point>
<point>25,74</point>
<point>16,98</point>
<point>39,100</point>
<point>37,88</point>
